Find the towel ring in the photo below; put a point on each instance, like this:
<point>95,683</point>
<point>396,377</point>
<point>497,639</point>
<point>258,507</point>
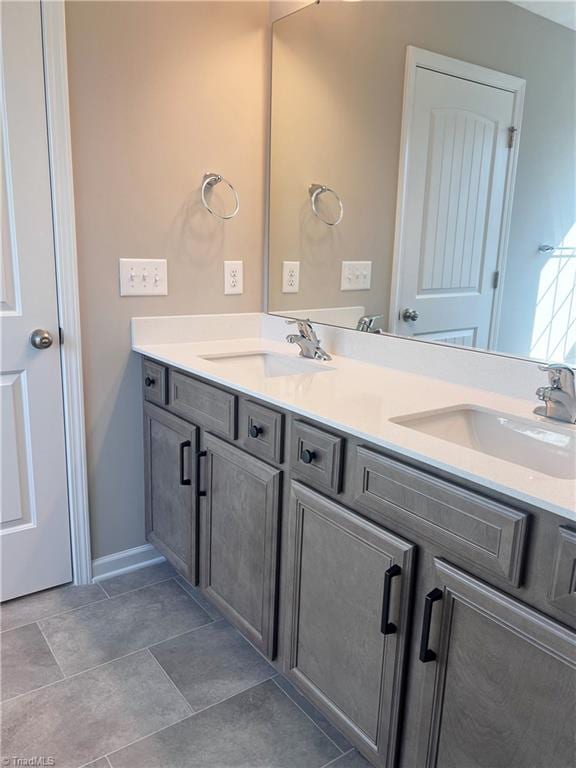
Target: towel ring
<point>315,190</point>
<point>210,180</point>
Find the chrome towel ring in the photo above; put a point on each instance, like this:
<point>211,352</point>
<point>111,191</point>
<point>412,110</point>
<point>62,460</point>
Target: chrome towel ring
<point>315,190</point>
<point>210,180</point>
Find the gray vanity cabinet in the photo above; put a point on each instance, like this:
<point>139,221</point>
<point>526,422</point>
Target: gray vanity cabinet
<point>170,453</point>
<point>500,689</point>
<point>239,544</point>
<point>347,601</point>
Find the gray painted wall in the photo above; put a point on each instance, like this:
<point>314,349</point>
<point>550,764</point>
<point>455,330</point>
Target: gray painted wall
<point>159,93</point>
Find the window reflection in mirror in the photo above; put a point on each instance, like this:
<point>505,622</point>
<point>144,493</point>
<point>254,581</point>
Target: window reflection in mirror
<point>423,172</point>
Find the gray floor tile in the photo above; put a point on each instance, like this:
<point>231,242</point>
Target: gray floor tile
<point>98,633</point>
<point>211,664</point>
<point>338,738</point>
<point>143,577</point>
<point>26,661</point>
<point>210,609</point>
<point>260,728</point>
<point>102,763</point>
<point>350,760</point>
<point>83,717</point>
<point>25,610</point>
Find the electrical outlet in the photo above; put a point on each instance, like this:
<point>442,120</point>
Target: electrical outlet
<point>356,275</point>
<point>143,277</point>
<point>233,277</point>
<point>290,276</point>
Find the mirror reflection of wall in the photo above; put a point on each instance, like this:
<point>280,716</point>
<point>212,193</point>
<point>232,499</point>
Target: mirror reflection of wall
<point>453,250</point>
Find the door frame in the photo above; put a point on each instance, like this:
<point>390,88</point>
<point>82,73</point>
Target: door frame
<point>419,57</point>
<point>64,228</point>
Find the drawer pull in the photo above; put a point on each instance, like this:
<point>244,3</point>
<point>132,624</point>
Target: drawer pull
<point>307,456</point>
<point>149,381</point>
<point>199,474</point>
<point>426,654</point>
<point>183,445</point>
<point>388,627</point>
<point>255,430</point>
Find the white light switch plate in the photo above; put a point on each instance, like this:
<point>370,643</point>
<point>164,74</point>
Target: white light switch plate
<point>233,277</point>
<point>356,275</point>
<point>290,276</point>
<point>143,277</point>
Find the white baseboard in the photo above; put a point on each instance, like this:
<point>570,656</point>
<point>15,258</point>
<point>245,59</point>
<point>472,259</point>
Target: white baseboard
<point>125,561</point>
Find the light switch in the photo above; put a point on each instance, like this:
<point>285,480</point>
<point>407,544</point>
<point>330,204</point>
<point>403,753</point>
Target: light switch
<point>233,277</point>
<point>356,275</point>
<point>290,276</point>
<point>143,277</point>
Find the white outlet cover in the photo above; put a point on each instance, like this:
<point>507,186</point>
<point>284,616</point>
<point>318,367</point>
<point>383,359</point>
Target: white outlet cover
<point>356,276</point>
<point>290,276</point>
<point>233,277</point>
<point>143,277</point>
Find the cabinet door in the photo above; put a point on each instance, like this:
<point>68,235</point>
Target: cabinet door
<point>348,591</point>
<point>170,452</point>
<point>239,551</point>
<point>503,691</point>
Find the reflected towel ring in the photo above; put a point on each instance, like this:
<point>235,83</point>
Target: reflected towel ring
<point>315,190</point>
<point>210,180</point>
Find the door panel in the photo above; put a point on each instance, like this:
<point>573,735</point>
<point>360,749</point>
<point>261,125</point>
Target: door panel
<point>336,649</point>
<point>34,525</point>
<point>171,455</point>
<point>457,159</point>
<point>505,686</point>
<point>240,540</point>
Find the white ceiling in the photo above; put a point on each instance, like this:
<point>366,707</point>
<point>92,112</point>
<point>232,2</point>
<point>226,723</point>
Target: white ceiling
<point>561,11</point>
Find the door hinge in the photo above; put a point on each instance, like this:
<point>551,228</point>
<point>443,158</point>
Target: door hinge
<point>60,335</point>
<point>495,279</point>
<point>511,136</point>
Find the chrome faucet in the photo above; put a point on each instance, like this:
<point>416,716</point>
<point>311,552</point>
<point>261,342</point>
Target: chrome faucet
<point>559,396</point>
<point>366,323</point>
<point>307,340</point>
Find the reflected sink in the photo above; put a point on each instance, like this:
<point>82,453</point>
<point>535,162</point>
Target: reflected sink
<point>547,448</point>
<point>266,364</point>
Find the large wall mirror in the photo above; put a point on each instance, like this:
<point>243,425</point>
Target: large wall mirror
<point>423,172</point>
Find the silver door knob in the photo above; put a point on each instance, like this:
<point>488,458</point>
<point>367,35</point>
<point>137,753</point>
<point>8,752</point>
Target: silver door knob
<point>409,314</point>
<point>41,339</point>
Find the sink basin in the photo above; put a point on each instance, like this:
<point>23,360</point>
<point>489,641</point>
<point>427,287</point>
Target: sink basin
<point>547,448</point>
<point>266,364</point>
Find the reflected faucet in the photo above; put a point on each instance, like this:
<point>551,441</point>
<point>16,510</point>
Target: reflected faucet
<point>307,340</point>
<point>366,324</point>
<point>559,396</point>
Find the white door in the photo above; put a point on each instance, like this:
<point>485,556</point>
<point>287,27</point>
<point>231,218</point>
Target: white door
<point>457,154</point>
<point>34,523</point>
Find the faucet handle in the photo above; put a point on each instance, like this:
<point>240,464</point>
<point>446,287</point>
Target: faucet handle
<point>305,329</point>
<point>560,376</point>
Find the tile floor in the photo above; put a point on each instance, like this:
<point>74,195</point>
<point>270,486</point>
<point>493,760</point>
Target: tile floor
<point>140,671</point>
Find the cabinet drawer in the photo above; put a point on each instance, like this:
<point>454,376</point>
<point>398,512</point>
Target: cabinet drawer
<point>317,456</point>
<point>489,537</point>
<point>563,579</point>
<point>154,380</point>
<point>203,404</point>
<point>262,431</point>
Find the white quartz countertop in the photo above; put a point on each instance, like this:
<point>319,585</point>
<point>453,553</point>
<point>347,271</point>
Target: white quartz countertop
<point>361,399</point>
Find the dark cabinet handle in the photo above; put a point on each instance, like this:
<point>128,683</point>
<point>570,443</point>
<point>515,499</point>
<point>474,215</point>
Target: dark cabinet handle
<point>307,457</point>
<point>388,627</point>
<point>255,430</point>
<point>184,480</point>
<point>426,654</point>
<point>201,455</point>
<point>149,381</point>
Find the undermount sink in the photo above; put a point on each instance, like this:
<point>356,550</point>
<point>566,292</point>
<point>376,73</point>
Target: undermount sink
<point>266,364</point>
<point>547,448</point>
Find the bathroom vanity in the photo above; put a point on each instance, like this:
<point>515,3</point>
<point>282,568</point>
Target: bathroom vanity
<point>427,612</point>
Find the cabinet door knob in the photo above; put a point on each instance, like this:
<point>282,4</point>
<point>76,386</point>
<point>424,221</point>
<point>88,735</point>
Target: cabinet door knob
<point>255,430</point>
<point>307,456</point>
<point>149,381</point>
